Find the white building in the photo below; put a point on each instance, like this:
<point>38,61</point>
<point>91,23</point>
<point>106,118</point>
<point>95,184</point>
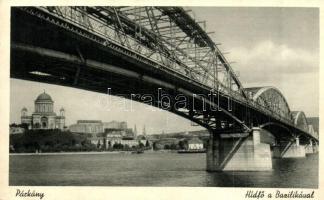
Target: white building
<point>195,144</point>
<point>118,139</point>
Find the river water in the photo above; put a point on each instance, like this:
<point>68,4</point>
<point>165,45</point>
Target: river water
<point>153,169</point>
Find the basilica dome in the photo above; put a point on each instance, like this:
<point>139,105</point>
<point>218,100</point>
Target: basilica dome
<point>44,116</point>
<point>44,103</point>
<point>44,97</point>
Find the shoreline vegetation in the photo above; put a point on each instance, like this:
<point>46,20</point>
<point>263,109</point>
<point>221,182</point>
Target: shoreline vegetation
<point>88,152</point>
<point>57,141</point>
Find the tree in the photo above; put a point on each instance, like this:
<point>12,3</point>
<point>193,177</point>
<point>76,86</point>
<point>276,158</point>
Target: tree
<point>181,144</point>
<point>141,145</point>
<point>173,146</point>
<point>118,146</point>
<point>115,146</point>
<point>98,144</point>
<point>13,125</point>
<point>24,125</point>
<point>147,144</point>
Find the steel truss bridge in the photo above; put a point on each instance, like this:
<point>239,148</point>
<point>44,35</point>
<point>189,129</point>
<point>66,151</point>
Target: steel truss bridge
<point>140,49</point>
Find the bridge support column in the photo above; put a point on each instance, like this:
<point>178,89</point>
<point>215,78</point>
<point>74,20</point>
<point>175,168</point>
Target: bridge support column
<point>238,152</point>
<point>315,147</point>
<point>312,147</point>
<point>291,149</point>
<point>309,149</point>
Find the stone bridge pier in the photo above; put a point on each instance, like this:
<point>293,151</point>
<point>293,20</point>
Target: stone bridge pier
<point>240,151</point>
<point>289,149</point>
<point>311,147</point>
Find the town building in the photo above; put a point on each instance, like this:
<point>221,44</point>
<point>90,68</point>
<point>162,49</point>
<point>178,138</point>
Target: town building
<point>195,144</point>
<point>44,116</point>
<point>92,127</point>
<point>114,125</point>
<point>125,137</point>
<point>120,136</point>
<point>98,141</point>
<point>95,127</point>
<point>113,137</point>
<point>142,139</point>
<point>130,142</point>
<point>165,143</point>
<point>107,133</point>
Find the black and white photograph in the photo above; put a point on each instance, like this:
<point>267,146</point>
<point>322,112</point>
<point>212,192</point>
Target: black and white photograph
<point>164,96</point>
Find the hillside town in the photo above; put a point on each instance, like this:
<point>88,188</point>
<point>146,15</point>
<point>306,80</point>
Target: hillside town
<point>45,131</point>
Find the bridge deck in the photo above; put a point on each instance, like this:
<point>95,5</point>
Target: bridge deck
<point>119,48</point>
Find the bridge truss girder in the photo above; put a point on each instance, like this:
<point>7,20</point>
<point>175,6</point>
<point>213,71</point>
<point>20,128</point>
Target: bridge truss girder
<point>166,35</point>
<point>116,31</point>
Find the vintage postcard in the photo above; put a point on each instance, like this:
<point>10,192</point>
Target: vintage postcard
<point>163,101</point>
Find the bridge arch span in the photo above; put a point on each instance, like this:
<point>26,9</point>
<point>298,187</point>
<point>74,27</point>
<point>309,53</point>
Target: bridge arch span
<point>270,98</point>
<point>279,131</point>
<point>275,125</point>
<point>300,120</point>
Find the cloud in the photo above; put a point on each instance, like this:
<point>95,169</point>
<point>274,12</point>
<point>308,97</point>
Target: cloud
<point>267,61</point>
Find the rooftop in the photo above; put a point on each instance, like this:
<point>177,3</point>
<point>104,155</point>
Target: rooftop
<point>88,121</point>
<point>195,141</point>
<point>44,97</point>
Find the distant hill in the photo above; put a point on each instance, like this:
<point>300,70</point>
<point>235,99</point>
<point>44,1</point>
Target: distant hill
<point>315,122</point>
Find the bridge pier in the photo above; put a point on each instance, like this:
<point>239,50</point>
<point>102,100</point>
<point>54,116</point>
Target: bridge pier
<point>291,149</point>
<point>309,149</point>
<point>238,152</point>
<point>312,147</point>
<point>315,147</point>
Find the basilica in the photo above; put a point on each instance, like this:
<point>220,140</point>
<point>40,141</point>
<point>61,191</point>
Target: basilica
<point>44,117</point>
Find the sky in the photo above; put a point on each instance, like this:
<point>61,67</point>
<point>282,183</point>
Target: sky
<point>270,47</point>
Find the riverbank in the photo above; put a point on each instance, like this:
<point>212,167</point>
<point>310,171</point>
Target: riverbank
<point>87,153</point>
<point>69,153</point>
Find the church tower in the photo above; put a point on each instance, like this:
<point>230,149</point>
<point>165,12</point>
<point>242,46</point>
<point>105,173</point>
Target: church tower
<point>62,112</point>
<point>24,118</point>
<point>144,131</point>
<point>24,112</point>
